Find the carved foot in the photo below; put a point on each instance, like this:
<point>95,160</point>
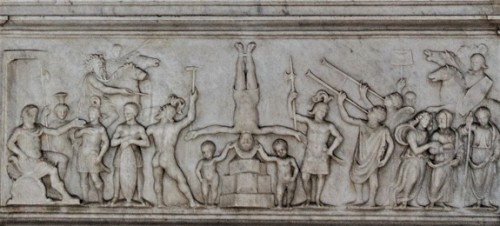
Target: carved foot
<point>357,202</point>
<point>488,204</point>
<point>194,204</point>
<point>113,201</point>
<point>69,201</point>
<point>301,137</point>
<point>370,204</point>
<point>401,205</point>
<point>414,203</point>
<point>251,47</point>
<point>239,46</point>
<point>128,203</point>
<point>144,202</point>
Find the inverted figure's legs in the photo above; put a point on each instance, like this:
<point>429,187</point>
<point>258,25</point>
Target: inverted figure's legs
<point>239,80</point>
<point>251,75</point>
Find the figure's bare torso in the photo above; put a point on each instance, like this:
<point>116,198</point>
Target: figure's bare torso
<point>209,169</point>
<point>285,169</point>
<point>29,141</point>
<point>165,136</point>
<point>317,136</point>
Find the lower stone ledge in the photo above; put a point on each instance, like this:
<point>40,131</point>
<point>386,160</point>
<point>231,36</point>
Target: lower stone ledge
<point>298,215</point>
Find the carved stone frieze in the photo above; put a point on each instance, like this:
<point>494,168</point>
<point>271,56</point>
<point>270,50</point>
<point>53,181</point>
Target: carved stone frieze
<point>361,112</point>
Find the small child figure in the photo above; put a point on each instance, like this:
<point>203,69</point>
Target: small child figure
<point>287,171</point>
<point>206,171</point>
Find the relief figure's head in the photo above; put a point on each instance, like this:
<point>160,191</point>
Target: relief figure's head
<point>393,100</point>
<point>280,146</point>
<point>29,114</point>
<point>246,141</point>
<point>477,62</point>
<point>444,119</point>
<point>130,111</point>
<point>208,149</point>
<point>377,114</point>
<point>483,115</point>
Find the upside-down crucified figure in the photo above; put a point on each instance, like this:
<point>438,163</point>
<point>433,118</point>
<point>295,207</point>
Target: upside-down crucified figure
<point>246,97</point>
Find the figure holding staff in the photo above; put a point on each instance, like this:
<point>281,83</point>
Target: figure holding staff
<point>317,151</point>
<point>290,77</point>
<point>483,152</point>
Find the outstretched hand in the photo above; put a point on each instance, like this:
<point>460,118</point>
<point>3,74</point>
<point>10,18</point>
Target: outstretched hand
<point>191,135</point>
<point>363,89</point>
<point>127,91</point>
<point>400,84</point>
<point>383,162</point>
<point>79,123</point>
<point>194,94</point>
<point>341,97</point>
<point>469,120</point>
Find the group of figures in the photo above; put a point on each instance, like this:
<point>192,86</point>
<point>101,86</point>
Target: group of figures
<point>43,151</point>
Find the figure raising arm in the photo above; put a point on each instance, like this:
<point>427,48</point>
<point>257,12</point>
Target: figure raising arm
<point>206,171</point>
<point>287,170</point>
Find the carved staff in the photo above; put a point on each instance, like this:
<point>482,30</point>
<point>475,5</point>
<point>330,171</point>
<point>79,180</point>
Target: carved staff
<point>469,136</point>
<point>330,65</point>
<point>193,70</point>
<point>290,77</point>
<point>45,78</point>
<point>336,92</point>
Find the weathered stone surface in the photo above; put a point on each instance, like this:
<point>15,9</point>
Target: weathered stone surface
<point>361,112</point>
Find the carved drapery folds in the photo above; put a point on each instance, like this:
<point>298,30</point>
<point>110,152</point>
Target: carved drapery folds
<point>300,113</point>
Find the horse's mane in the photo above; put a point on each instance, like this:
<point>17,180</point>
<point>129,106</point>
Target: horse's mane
<point>458,76</point>
<point>453,60</point>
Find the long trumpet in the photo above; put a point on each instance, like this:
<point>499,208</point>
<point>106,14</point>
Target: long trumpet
<point>324,61</point>
<point>336,92</point>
